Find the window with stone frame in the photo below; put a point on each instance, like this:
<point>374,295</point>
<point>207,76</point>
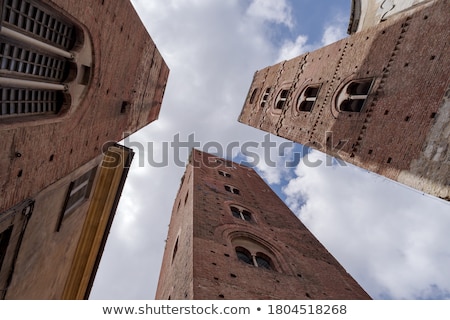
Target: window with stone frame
<point>308,97</point>
<point>78,192</point>
<point>281,99</point>
<point>354,94</point>
<point>241,213</point>
<point>232,189</point>
<point>36,59</point>
<point>257,259</point>
<point>224,174</point>
<point>265,97</point>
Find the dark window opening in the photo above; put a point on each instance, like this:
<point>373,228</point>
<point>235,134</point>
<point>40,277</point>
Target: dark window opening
<point>307,99</point>
<point>265,98</point>
<point>36,21</point>
<point>354,95</point>
<point>18,101</point>
<point>79,191</point>
<point>306,106</point>
<point>244,255</point>
<point>282,98</point>
<point>352,105</point>
<point>4,242</point>
<point>241,213</point>
<point>359,88</point>
<point>175,249</point>
<point>252,97</point>
<point>224,174</point>
<point>232,189</point>
<point>263,261</point>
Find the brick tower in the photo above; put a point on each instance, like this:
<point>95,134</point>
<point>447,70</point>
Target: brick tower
<point>76,77</point>
<point>231,237</point>
<point>379,99</point>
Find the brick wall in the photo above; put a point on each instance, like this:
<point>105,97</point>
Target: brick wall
<point>127,67</point>
<point>402,130</point>
<point>304,269</point>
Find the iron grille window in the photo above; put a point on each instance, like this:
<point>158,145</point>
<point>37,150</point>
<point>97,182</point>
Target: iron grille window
<point>17,59</point>
<point>244,255</point>
<point>259,259</point>
<point>262,261</point>
<point>16,101</point>
<point>30,18</point>
<point>34,58</point>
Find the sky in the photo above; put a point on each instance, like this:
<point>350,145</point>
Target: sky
<point>393,240</point>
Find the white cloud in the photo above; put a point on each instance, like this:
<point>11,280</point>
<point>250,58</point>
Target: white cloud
<point>335,30</point>
<point>271,11</point>
<point>332,34</point>
<point>291,49</point>
<point>212,49</point>
<point>391,240</point>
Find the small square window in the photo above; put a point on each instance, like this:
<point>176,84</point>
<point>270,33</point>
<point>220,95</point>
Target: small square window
<point>78,192</point>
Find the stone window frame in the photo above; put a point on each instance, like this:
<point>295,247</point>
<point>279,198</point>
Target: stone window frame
<point>282,97</point>
<point>353,95</point>
<point>78,193</point>
<point>242,213</point>
<point>29,87</point>
<point>224,174</point>
<point>306,98</point>
<point>254,255</point>
<point>253,96</point>
<point>265,97</point>
<point>254,258</point>
<point>232,189</point>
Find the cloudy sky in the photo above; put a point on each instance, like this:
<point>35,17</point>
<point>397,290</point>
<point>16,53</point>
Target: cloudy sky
<point>391,239</point>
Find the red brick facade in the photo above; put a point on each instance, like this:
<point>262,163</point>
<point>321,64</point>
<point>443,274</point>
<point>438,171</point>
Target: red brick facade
<point>402,130</point>
<point>125,91</point>
<point>200,259</point>
<point>55,214</point>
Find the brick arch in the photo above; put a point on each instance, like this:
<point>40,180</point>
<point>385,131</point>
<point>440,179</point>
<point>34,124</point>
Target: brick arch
<point>229,234</point>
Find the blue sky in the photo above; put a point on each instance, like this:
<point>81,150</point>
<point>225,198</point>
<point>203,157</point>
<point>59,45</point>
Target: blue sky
<point>391,239</point>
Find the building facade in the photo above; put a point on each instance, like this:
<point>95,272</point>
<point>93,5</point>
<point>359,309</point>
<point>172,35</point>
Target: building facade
<point>231,237</point>
<point>75,78</point>
<point>378,99</point>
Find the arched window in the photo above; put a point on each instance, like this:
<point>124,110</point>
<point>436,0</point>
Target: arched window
<point>252,97</point>
<point>281,99</point>
<point>253,252</point>
<point>354,95</point>
<point>263,261</point>
<point>257,259</point>
<point>244,255</point>
<point>265,97</point>
<point>37,62</point>
<point>241,213</point>
<point>308,97</point>
<point>231,189</point>
<point>224,174</point>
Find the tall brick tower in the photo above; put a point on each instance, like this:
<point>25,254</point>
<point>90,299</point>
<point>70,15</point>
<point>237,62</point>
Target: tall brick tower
<point>76,77</point>
<point>379,99</point>
<point>231,237</point>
